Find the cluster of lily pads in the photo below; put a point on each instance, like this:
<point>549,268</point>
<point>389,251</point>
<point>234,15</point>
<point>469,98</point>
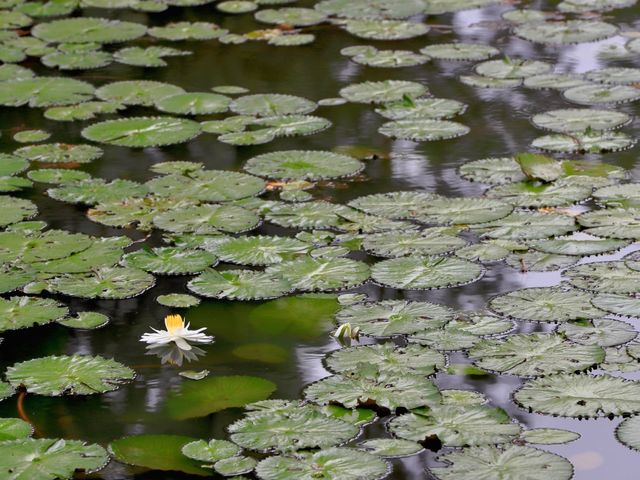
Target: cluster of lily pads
<point>538,213</point>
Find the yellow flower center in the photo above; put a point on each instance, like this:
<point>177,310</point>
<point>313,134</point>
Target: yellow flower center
<point>173,323</point>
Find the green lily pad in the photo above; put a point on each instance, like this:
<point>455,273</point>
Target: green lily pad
<point>77,60</point>
<point>385,29</point>
<point>555,81</point>
<point>605,332</point>
<point>49,245</point>
<point>179,31</point>
<point>618,304</point>
<point>427,272</point>
<point>533,355</point>
<point>211,451</point>
<point>619,196</point>
<point>57,176</point>
<point>410,360</point>
<point>494,171</point>
<point>85,321</point>
<point>261,250</point>
<point>482,252</point>
<point>14,429</point>
<point>29,136</point>
<point>367,9</point>
<point>343,463</point>
<point>533,194</point>
<point>584,142</point>
<point>549,436</point>
<point>44,458</point>
<point>214,394</point>
<point>480,81</point>
<point>604,277</point>
<point>368,387</point>
<point>540,262</point>
<point>511,68</point>
<point>178,300</point>
<point>44,92</point>
<point>236,6</point>
<point>143,132</point>
<point>137,92</point>
<point>382,92</point>
<point>82,111</point>
<point>395,317</point>
<point>510,462</point>
<point>581,396</point>
<point>239,285</point>
<point>583,6</point>
<point>207,219</point>
<point>69,375</point>
<point>296,17</point>
<point>423,129</point>
<point>321,274</point>
<point>456,426</point>
<point>562,33</point>
<point>400,244</point>
<point>290,427</point>
<point>16,210</point>
<point>578,247</point>
<point>612,223</point>
<point>436,7</point>
<point>526,226</point>
<point>580,119</point>
<point>627,433</point>
<point>12,165</point>
<point>460,51</point>
<point>546,304</point>
<point>24,312</point>
<point>157,452</point>
<point>60,153</point>
<point>194,103</point>
<point>272,104</point>
<point>170,260</point>
<point>103,282</point>
<point>85,29</point>
<point>207,186</point>
<point>601,94</point>
<point>235,465</point>
<point>303,165</point>
<point>390,58</point>
<point>96,190</point>
<point>390,447</point>
<point>6,390</point>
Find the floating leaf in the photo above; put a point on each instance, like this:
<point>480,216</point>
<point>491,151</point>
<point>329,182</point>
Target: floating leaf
<point>612,223</point>
<point>44,458</point>
<point>211,451</point>
<point>618,304</point>
<point>103,282</point>
<point>170,260</point>
<point>580,119</point>
<point>580,395</point>
<point>70,375</point>
<point>488,82</point>
<point>540,262</point>
<point>261,250</point>
<point>384,29</point>
<point>157,452</point>
<point>482,252</point>
<point>494,171</point>
<point>390,447</point>
<point>322,274</point>
<point>16,210</point>
<point>604,277</point>
<point>555,81</point>
<point>600,331</point>
<point>289,429</point>
<point>272,104</point>
<point>456,426</point>
<point>14,429</point>
<point>194,103</point>
<point>137,92</point>
<point>526,226</point>
<point>343,463</point>
<point>395,317</point>
<point>82,111</point>
<point>562,33</point>
<point>235,465</point>
<point>303,165</point>
<point>24,312</point>
<point>545,304</point>
<point>584,142</point>
<point>532,355</point>
<point>178,300</point>
<point>423,273</point>
<point>296,17</point>
<point>86,29</point>
<point>601,94</point>
<point>86,321</point>
<point>423,129</point>
<point>382,92</point>
<point>399,244</point>
<point>60,153</point>
<point>510,462</point>
<point>28,136</point>
<point>44,92</point>
<point>364,387</point>
<point>142,132</point>
<point>460,51</point>
<point>390,58</point>
<point>549,436</point>
<point>627,433</point>
<point>578,247</point>
<point>95,190</point>
<point>147,57</point>
<point>187,31</point>
<point>366,9</point>
<point>511,68</point>
<point>207,219</point>
<point>534,194</point>
<point>214,394</point>
<point>619,196</point>
<point>239,285</point>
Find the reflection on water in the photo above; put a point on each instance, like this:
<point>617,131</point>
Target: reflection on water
<point>285,340</point>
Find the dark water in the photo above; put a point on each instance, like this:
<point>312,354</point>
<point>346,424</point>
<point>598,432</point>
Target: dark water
<point>296,329</point>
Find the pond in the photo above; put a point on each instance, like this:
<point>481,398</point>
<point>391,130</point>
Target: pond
<point>444,359</point>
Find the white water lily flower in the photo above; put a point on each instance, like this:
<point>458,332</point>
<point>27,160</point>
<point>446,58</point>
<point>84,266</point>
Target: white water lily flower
<point>177,333</point>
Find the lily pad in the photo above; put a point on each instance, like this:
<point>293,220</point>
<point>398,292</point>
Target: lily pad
<point>303,165</point>
<point>494,171</point>
<point>69,375</point>
<point>85,321</point>
<point>612,223</point>
<point>147,57</point>
<point>423,129</point>
<point>157,452</point>
<point>431,108</point>
<point>555,81</point>
<point>568,32</point>
<point>44,92</point>
<point>272,104</point>
<point>211,451</point>
<point>627,433</point>
<point>604,332</point>
<point>604,277</point>
<point>584,142</point>
<point>44,458</point>
<point>143,132</point>
<point>178,31</point>
<point>546,304</point>
<point>81,111</point>
<point>60,153</point>
<point>137,92</point>
<point>24,312</point>
<point>460,51</point>
<point>532,355</point>
<point>104,282</point>
<point>178,300</point>
<point>619,304</point>
<point>194,103</point>
<point>578,247</point>
<point>366,9</point>
<point>239,285</point>
<point>321,274</point>
<point>86,29</point>
<point>456,426</point>
<point>512,68</point>
<point>382,92</point>
<point>549,436</point>
<point>423,273</point>
<point>214,394</point>
<point>343,463</point>
<point>400,244</point>
<point>14,429</point>
<point>261,250</point>
<point>296,17</point>
<point>581,396</point>
<point>510,462</point>
<point>95,190</point>
<point>380,29</point>
<point>170,260</point>
<point>207,219</point>
<point>526,226</point>
<point>601,94</point>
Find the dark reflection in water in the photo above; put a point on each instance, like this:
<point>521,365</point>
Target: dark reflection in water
<point>285,340</point>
